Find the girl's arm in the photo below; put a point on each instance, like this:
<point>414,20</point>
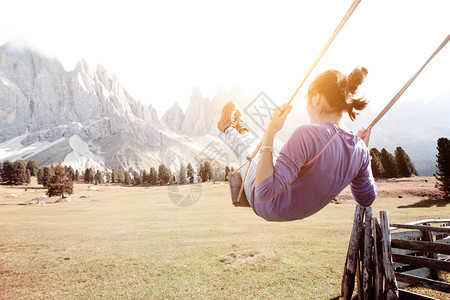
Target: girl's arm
<point>264,168</point>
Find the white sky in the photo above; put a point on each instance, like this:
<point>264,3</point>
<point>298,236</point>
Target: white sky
<point>160,50</point>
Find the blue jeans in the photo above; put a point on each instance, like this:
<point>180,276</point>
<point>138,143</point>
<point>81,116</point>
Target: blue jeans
<point>243,146</point>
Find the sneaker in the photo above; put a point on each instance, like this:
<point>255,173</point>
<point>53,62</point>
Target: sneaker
<point>239,123</point>
<point>227,118</point>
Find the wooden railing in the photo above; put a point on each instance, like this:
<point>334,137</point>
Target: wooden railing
<point>383,261</point>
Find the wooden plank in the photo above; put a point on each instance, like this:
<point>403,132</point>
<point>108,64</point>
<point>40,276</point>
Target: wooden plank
<point>423,282</point>
<point>420,272</point>
<point>348,280</point>
<point>421,246</point>
<point>391,289</point>
<point>405,251</point>
<point>407,295</point>
<point>378,260</point>
<point>398,267</point>
<point>407,235</point>
<point>423,228</point>
<point>422,262</point>
<point>368,262</point>
<point>429,221</point>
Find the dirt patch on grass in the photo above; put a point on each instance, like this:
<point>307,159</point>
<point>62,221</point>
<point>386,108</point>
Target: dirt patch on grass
<point>399,188</point>
<point>250,258</point>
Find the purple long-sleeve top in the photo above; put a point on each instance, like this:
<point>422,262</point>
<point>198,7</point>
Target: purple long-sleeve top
<point>312,168</point>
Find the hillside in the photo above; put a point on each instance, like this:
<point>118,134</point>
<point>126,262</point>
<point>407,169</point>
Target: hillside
<point>86,118</point>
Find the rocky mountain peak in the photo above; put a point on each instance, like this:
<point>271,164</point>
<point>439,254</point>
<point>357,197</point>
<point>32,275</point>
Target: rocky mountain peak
<point>173,118</point>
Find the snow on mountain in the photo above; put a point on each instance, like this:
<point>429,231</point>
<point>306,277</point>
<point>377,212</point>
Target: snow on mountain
<point>87,119</point>
<point>83,117</point>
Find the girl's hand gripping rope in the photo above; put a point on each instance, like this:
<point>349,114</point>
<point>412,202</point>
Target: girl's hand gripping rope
<point>279,116</point>
<point>364,134</point>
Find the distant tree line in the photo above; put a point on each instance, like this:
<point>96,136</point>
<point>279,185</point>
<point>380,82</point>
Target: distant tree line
<point>386,165</point>
<point>20,172</point>
<point>57,180</point>
<point>155,176</point>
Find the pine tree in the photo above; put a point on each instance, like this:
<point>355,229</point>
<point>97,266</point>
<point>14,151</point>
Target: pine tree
<point>209,175</point>
<point>443,165</point>
<point>164,174</point>
<point>153,176</point>
<point>405,166</point>
<point>98,177</point>
<point>77,176</point>
<point>136,178</point>
<point>183,178</point>
<point>173,180</point>
<point>91,175</point>
<point>28,176</point>
<point>389,164</point>
<point>70,172</point>
<point>376,164</point>
<point>51,171</point>
<point>33,166</point>
<point>201,173</point>
<point>19,175</point>
<point>190,173</point>
<point>40,175</point>
<point>60,184</point>
<point>47,176</point>
<point>126,178</point>
<point>7,172</point>
<point>227,170</point>
<point>144,177</point>
<point>87,175</point>
<point>120,177</point>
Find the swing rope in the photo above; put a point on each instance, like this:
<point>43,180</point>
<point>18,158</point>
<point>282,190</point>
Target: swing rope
<point>316,61</point>
<point>392,102</point>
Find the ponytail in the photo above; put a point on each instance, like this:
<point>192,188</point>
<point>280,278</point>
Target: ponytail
<point>339,90</point>
<point>354,80</point>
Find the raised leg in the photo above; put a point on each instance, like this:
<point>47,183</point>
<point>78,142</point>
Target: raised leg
<point>243,146</point>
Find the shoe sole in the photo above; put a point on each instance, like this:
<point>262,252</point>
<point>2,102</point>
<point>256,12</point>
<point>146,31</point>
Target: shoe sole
<point>228,108</point>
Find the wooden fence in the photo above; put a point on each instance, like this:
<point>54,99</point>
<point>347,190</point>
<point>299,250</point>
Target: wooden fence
<point>413,254</point>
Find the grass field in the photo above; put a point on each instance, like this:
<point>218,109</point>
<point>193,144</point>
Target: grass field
<point>133,242</point>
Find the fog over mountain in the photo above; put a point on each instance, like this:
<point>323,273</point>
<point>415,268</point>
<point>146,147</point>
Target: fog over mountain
<point>413,125</point>
<point>87,119</point>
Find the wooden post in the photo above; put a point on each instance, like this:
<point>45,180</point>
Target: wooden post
<point>391,289</point>
<point>428,236</point>
<point>367,266</point>
<point>348,280</point>
<point>378,290</point>
<point>359,277</point>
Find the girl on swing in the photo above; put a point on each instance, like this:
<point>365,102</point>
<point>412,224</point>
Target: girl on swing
<point>317,162</point>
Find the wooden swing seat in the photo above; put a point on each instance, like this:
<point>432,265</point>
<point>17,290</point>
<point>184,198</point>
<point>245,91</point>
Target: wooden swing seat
<point>235,181</point>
